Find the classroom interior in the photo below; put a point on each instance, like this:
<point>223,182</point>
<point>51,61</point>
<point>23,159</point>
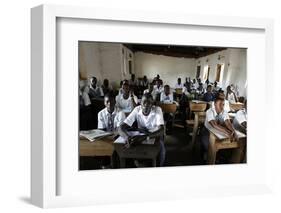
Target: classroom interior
<point>220,68</point>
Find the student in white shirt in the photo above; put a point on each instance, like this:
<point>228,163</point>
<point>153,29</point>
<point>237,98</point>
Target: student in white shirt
<point>217,118</point>
<point>126,101</point>
<point>179,84</point>
<point>95,91</point>
<point>230,95</point>
<point>240,120</point>
<point>166,96</point>
<point>150,121</point>
<point>110,118</point>
<point>151,91</point>
<point>158,88</point>
<point>106,87</point>
<point>216,87</point>
<point>221,95</point>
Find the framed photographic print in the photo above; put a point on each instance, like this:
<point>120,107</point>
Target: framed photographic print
<point>146,105</point>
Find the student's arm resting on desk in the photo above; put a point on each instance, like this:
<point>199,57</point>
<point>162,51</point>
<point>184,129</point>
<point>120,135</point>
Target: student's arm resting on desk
<point>229,126</point>
<point>219,127</point>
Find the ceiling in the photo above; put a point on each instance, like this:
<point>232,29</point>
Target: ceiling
<point>174,51</point>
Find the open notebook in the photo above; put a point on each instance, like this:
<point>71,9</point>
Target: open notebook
<point>93,134</point>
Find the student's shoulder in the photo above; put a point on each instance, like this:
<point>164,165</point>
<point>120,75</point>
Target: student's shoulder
<point>103,111</point>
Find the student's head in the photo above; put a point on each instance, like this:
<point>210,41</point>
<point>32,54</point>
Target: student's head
<point>207,81</point>
<point>221,94</point>
<point>106,82</point>
<point>133,77</point>
<point>200,86</point>
<point>145,78</point>
<point>146,103</point>
<point>215,84</point>
<point>194,80</point>
<point>179,80</point>
<point>158,76</point>
<point>209,88</point>
<point>94,81</point>
<point>109,101</point>
<point>126,88</point>
<point>219,104</point>
<point>199,80</point>
<point>167,89</point>
<point>228,89</point>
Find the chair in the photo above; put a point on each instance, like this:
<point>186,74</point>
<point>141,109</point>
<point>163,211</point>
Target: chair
<point>169,108</point>
<point>217,144</point>
<point>195,107</point>
<point>199,118</point>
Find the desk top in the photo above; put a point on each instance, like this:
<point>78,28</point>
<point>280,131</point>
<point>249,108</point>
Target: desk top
<point>99,147</point>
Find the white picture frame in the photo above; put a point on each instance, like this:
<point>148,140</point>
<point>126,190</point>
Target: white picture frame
<point>45,180</point>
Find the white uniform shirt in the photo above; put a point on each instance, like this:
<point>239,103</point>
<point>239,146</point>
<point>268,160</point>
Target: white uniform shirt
<point>125,105</point>
<point>226,105</point>
<point>166,98</point>
<point>231,98</point>
<point>158,90</point>
<point>178,86</point>
<point>103,116</point>
<point>150,122</point>
<point>211,114</point>
<point>85,97</point>
<point>241,116</point>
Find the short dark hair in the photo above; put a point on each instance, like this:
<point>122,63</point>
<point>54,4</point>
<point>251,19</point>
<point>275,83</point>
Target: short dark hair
<point>110,95</point>
<point>167,86</point>
<point>218,99</point>
<point>147,96</point>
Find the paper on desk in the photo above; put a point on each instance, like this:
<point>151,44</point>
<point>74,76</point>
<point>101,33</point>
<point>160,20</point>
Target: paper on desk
<point>221,135</point>
<point>93,134</point>
<point>122,140</point>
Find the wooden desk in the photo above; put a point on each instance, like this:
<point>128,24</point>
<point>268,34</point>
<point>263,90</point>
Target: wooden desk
<point>100,147</point>
<point>199,118</point>
<point>140,151</point>
<point>216,144</point>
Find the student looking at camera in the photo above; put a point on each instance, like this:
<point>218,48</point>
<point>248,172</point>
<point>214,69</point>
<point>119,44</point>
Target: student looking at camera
<point>209,95</point>
<point>95,91</point>
<point>110,118</point>
<point>149,120</point>
<point>166,96</point>
<point>126,101</point>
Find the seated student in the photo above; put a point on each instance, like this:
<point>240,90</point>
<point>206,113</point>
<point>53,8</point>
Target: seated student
<point>144,83</point>
<point>179,84</point>
<point>230,95</point>
<point>221,95</point>
<point>216,87</point>
<point>106,88</point>
<point>86,116</point>
<point>121,84</point>
<point>95,91</point>
<point>218,119</point>
<point>126,101</point>
<point>200,90</point>
<point>133,81</point>
<point>240,120</point>
<point>166,96</point>
<point>209,95</point>
<point>150,90</point>
<point>150,120</point>
<point>158,88</point>
<point>194,85</point>
<point>110,118</point>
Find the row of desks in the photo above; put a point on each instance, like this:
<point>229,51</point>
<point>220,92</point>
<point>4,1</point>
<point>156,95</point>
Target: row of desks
<point>106,147</point>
